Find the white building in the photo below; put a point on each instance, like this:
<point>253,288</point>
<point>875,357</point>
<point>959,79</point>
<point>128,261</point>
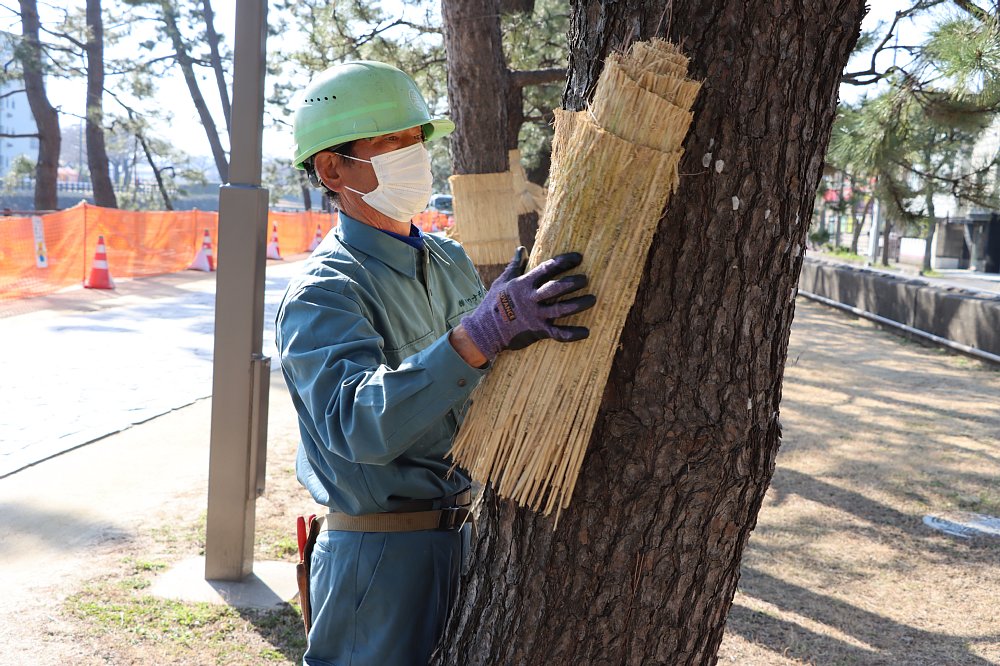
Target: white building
<point>15,115</point>
<point>968,235</point>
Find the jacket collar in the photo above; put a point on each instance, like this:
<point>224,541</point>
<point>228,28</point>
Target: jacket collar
<point>392,252</point>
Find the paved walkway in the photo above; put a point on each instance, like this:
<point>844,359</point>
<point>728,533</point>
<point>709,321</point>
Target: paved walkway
<point>93,363</point>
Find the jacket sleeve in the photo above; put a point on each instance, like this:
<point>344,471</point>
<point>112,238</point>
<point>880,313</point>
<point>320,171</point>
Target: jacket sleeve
<point>356,406</point>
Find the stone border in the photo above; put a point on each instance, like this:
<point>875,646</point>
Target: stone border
<point>968,317</point>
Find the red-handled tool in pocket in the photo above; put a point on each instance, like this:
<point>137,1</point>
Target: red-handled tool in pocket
<point>307,529</point>
<point>300,526</point>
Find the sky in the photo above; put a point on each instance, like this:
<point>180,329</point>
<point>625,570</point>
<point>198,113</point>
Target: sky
<point>186,132</point>
<point>910,32</point>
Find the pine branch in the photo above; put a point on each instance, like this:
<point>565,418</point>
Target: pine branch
<point>973,9</point>
<point>64,35</point>
<point>534,77</point>
<point>872,73</point>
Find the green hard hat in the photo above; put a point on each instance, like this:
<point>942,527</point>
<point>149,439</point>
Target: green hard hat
<point>358,100</point>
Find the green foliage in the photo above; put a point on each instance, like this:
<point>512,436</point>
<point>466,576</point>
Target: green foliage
<point>842,252</point>
<point>914,138</point>
<point>21,167</point>
<point>330,33</point>
<point>966,52</point>
<point>819,237</point>
<point>281,180</point>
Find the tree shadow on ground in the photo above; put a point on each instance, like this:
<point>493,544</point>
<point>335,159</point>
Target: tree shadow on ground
<point>870,638</point>
<point>65,529</point>
<point>282,628</point>
<point>882,517</point>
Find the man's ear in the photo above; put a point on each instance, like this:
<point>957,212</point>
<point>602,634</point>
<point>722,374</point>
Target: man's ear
<point>329,170</point>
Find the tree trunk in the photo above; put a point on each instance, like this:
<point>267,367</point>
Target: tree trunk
<point>97,154</point>
<point>212,37</point>
<point>644,564</point>
<point>306,189</point>
<point>885,242</point>
<point>540,174</point>
<point>46,117</point>
<point>856,229</point>
<point>931,225</point>
<point>969,234</point>
<point>477,85</point>
<point>170,19</point>
<point>841,207</point>
<point>157,172</point>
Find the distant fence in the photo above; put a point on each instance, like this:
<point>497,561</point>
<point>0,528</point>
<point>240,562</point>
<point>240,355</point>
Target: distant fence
<point>43,254</point>
<point>86,187</point>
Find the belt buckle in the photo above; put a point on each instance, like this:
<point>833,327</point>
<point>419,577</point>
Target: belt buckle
<point>450,518</point>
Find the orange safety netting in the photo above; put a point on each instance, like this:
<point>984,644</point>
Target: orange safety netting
<point>433,220</point>
<point>138,243</point>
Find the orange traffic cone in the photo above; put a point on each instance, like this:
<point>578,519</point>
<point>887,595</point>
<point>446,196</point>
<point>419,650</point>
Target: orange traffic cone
<point>272,248</point>
<point>316,239</point>
<point>100,276</point>
<point>204,261</point>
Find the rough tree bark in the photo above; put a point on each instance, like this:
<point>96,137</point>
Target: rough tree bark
<point>477,85</point>
<point>46,117</point>
<point>931,227</point>
<point>485,96</point>
<point>643,566</point>
<point>97,154</point>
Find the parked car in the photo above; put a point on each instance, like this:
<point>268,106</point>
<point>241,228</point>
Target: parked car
<point>438,216</point>
<point>442,203</point>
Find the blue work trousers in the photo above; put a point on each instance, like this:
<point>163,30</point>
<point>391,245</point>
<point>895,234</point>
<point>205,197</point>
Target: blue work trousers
<point>382,598</point>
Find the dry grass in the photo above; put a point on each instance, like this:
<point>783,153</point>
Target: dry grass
<point>878,432</point>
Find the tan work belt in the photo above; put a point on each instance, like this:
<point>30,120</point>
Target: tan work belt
<point>452,515</point>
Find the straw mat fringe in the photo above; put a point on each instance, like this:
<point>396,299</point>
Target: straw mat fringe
<point>613,168</point>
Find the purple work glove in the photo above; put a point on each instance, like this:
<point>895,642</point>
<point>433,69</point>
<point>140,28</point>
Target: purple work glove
<point>519,308</point>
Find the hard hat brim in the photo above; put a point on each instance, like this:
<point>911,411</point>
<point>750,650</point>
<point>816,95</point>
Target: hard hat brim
<point>436,128</point>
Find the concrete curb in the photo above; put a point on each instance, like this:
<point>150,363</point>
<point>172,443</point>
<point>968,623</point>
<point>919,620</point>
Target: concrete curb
<point>967,317</point>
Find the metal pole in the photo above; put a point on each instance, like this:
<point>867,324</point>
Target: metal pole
<point>980,354</point>
<point>240,373</point>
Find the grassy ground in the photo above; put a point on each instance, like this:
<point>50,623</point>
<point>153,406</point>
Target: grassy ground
<point>878,432</point>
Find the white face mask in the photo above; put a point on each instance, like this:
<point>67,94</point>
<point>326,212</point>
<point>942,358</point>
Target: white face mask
<point>405,182</point>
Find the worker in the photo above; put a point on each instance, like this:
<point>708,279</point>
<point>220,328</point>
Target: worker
<point>382,338</point>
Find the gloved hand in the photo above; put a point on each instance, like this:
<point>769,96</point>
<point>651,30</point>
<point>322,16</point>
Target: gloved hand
<point>519,308</point>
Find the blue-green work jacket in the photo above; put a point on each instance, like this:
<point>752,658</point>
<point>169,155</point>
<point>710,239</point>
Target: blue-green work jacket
<point>379,390</point>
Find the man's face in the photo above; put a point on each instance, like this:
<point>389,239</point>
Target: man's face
<point>365,149</point>
<point>340,173</point>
